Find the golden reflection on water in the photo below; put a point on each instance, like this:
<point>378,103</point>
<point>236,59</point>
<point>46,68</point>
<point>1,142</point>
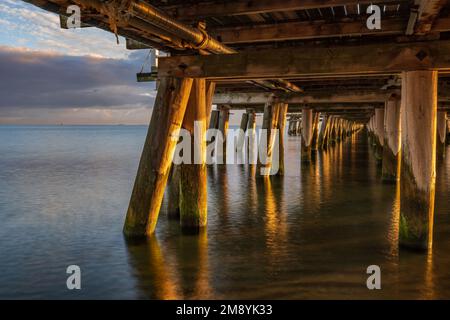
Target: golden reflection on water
<point>202,285</point>
<point>393,234</point>
<point>186,270</point>
<point>275,222</point>
<point>169,276</point>
<point>153,272</point>
<point>326,175</point>
<point>428,292</point>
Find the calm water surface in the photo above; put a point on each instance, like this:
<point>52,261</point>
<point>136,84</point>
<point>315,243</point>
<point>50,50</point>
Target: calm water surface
<point>64,192</point>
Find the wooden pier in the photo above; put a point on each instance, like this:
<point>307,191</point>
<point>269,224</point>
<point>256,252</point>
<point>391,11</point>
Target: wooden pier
<point>313,67</point>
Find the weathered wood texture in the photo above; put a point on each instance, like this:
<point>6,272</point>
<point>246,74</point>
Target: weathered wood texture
<point>428,12</point>
<point>324,132</point>
<point>154,166</point>
<point>315,136</point>
<point>342,96</point>
<point>307,134</point>
<point>418,158</point>
<point>251,141</point>
<point>267,138</point>
<point>244,7</point>
<point>379,132</point>
<point>223,128</point>
<point>441,133</point>
<point>210,89</point>
<point>193,178</point>
<point>304,30</point>
<point>313,61</point>
<point>392,141</point>
<point>281,131</point>
<point>241,135</point>
<point>173,201</point>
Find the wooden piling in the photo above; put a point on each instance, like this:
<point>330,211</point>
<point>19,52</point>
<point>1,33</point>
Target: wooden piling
<point>209,95</point>
<point>325,132</point>
<point>441,133</point>
<point>315,136</point>
<point>283,108</point>
<point>156,159</point>
<point>333,132</point>
<point>241,134</point>
<point>223,128</point>
<point>307,133</point>
<point>379,134</point>
<point>392,141</point>
<point>212,116</point>
<point>339,130</point>
<point>173,202</point>
<point>193,179</point>
<point>291,127</point>
<point>251,134</point>
<point>418,158</point>
<point>448,131</point>
<point>270,122</point>
<point>370,131</point>
<point>213,125</point>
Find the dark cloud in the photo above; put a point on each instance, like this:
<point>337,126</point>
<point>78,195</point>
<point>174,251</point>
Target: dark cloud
<point>30,79</point>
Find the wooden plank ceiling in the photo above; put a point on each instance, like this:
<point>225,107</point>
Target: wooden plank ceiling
<point>265,24</point>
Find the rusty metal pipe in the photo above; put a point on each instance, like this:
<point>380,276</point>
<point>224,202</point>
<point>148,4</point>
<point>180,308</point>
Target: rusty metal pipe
<point>198,38</point>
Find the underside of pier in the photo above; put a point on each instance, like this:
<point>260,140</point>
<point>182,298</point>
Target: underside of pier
<point>321,69</point>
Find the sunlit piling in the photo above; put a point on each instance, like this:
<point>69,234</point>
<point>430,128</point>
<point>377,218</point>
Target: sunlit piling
<point>418,158</point>
<point>392,141</point>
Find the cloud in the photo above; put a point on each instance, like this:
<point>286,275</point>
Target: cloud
<point>50,75</point>
<point>23,24</point>
<point>43,80</point>
<point>39,79</point>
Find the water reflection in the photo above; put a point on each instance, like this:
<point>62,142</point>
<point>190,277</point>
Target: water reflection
<point>155,277</point>
<point>275,218</point>
<point>319,229</point>
<point>180,272</point>
<point>393,234</point>
<point>310,234</point>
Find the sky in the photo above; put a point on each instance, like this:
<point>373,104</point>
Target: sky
<point>49,75</point>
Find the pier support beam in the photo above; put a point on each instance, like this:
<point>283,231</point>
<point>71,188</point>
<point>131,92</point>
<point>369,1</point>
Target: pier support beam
<point>392,141</point>
<point>156,159</point>
<point>210,89</point>
<point>214,123</point>
<point>283,107</point>
<point>193,182</point>
<point>370,130</point>
<point>441,133</point>
<point>251,134</point>
<point>307,133</point>
<point>173,202</point>
<point>223,128</point>
<point>241,134</point>
<point>315,136</point>
<point>379,133</point>
<point>292,127</point>
<point>418,158</point>
<point>270,123</point>
<point>333,132</point>
<point>324,132</point>
<point>337,128</point>
<point>448,131</point>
